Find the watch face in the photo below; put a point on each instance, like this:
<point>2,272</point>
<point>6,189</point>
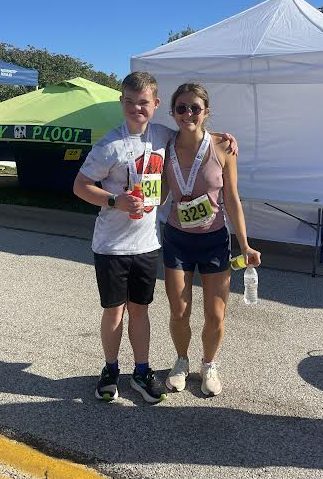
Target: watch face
<point>111,201</point>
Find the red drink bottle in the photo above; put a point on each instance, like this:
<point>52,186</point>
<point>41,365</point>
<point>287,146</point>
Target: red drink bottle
<point>137,191</point>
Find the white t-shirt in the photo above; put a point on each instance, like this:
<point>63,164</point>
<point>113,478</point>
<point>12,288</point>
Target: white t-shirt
<point>114,232</point>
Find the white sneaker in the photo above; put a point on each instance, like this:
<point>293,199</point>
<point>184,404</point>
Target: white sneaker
<point>211,383</point>
<point>177,377</point>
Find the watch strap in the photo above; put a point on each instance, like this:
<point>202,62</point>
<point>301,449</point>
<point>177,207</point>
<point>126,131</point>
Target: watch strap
<point>112,201</point>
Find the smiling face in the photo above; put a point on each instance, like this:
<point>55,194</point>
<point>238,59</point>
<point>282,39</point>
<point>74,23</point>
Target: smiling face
<point>190,111</point>
<point>138,108</point>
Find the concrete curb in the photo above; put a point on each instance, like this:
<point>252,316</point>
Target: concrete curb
<point>29,461</point>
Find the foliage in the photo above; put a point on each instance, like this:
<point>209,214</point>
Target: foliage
<point>52,68</point>
<point>176,36</point>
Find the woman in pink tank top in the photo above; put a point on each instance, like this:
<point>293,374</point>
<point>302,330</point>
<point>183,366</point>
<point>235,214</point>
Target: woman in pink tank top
<point>200,174</point>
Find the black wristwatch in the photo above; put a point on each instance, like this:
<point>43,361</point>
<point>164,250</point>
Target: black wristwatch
<point>112,201</point>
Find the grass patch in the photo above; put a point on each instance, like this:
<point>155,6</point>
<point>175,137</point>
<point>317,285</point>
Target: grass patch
<point>12,194</point>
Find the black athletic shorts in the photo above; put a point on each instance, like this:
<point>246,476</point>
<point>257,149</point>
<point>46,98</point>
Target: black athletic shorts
<point>210,252</point>
<point>123,278</point>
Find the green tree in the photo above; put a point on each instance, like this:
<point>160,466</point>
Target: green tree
<point>52,68</point>
<point>176,36</point>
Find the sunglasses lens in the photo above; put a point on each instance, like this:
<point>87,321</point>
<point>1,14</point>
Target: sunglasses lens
<point>181,109</point>
<point>196,110</point>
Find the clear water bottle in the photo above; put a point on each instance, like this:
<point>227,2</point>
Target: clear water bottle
<point>250,279</point>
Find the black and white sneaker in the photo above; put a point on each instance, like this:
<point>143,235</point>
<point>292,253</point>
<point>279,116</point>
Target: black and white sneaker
<point>148,386</point>
<point>107,388</point>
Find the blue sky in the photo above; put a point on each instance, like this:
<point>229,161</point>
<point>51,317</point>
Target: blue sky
<point>107,36</point>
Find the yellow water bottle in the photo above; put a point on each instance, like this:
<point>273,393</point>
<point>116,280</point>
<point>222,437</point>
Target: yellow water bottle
<point>238,262</point>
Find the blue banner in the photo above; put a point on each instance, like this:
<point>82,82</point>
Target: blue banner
<point>11,74</point>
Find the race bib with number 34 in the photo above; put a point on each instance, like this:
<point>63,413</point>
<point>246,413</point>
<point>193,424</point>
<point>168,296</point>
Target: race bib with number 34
<point>151,186</point>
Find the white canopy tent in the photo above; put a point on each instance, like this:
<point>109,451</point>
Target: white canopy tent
<point>263,69</point>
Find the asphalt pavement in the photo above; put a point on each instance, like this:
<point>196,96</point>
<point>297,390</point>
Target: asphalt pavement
<point>267,423</point>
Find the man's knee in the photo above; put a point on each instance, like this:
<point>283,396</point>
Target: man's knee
<point>137,311</point>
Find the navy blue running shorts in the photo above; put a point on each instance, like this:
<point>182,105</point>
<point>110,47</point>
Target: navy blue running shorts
<point>210,252</point>
<point>123,278</point>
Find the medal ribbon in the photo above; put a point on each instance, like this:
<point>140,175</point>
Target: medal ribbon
<point>187,188</point>
<point>134,177</point>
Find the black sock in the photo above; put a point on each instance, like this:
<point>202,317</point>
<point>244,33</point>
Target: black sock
<point>142,368</point>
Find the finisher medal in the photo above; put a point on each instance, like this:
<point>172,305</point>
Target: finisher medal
<point>186,198</point>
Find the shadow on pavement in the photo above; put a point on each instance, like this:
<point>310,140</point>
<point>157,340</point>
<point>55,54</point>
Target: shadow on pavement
<point>120,434</point>
<point>311,369</point>
<point>296,289</point>
<point>28,243</point>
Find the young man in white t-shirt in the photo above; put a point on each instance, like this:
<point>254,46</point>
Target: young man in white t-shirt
<point>125,249</point>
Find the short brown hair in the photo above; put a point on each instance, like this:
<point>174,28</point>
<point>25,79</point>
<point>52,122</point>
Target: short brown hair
<point>138,81</point>
<point>195,88</point>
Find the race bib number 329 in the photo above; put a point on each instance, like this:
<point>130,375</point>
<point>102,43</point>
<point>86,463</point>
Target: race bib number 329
<point>195,213</point>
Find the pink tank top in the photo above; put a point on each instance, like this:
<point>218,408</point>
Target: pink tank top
<point>208,180</point>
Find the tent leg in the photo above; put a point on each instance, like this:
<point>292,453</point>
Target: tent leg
<point>318,245</point>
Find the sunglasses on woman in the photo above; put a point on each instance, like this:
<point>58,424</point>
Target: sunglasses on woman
<point>193,109</point>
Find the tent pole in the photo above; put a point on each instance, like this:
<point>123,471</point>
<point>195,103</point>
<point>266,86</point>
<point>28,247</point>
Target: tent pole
<point>318,241</point>
<point>318,227</point>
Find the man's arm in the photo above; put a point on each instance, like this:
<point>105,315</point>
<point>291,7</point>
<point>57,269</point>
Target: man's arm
<point>86,189</point>
<point>233,144</point>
